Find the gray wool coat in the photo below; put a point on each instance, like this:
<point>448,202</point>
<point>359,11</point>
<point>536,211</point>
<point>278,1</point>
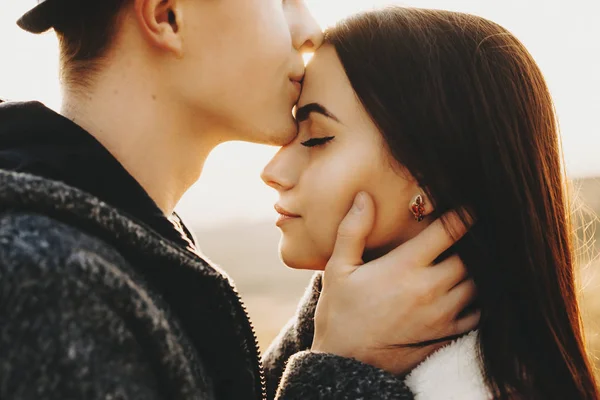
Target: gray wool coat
<point>94,305</point>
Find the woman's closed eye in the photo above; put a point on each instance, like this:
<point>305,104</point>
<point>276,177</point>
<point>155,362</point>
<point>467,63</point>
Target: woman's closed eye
<point>317,141</point>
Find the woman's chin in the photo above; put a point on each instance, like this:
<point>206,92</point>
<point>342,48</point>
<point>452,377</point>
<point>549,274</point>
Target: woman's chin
<point>303,263</point>
<point>299,255</point>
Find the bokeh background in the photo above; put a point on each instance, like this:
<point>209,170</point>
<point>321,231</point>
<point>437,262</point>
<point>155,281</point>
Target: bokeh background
<point>231,210</point>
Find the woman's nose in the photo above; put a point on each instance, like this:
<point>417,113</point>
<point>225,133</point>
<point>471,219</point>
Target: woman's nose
<point>278,173</point>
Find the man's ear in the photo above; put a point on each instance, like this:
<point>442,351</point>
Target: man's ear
<point>160,22</point>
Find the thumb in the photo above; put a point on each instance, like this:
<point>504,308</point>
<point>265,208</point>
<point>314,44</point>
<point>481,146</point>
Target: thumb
<point>352,235</point>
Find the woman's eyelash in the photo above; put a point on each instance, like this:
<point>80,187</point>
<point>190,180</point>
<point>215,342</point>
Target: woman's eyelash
<point>316,141</point>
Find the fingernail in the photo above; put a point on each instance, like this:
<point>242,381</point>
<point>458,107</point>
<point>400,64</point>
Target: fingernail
<point>359,202</point>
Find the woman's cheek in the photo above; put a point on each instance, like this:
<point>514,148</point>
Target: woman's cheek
<point>391,195</point>
<point>324,227</point>
<point>335,183</point>
<point>323,231</point>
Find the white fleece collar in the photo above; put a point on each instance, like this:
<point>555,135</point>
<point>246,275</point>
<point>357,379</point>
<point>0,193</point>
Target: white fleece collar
<point>454,372</point>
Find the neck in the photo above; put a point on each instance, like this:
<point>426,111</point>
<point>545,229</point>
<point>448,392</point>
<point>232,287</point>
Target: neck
<point>159,144</point>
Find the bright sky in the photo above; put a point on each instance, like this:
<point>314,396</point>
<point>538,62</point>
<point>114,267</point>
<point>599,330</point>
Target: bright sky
<point>562,35</point>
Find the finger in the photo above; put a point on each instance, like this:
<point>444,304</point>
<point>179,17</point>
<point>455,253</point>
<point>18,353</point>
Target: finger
<point>447,274</point>
<point>438,237</point>
<point>467,323</point>
<point>459,298</point>
<point>352,234</point>
<point>457,328</point>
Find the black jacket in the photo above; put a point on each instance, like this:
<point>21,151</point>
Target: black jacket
<point>96,303</point>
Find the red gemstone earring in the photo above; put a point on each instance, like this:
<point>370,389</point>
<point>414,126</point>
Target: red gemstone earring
<point>418,208</point>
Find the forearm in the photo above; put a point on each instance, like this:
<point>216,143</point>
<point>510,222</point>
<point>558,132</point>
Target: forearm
<point>293,372</point>
<point>310,375</point>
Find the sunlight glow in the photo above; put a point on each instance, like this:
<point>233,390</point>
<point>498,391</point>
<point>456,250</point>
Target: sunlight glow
<point>307,57</point>
<point>569,57</point>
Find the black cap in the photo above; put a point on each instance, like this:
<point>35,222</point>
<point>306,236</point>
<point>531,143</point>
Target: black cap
<point>40,18</point>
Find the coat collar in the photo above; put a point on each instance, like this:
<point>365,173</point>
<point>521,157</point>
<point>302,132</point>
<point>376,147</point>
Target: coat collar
<point>36,140</point>
<point>453,372</point>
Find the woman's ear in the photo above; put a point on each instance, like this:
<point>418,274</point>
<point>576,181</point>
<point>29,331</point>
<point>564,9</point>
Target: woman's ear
<point>420,206</point>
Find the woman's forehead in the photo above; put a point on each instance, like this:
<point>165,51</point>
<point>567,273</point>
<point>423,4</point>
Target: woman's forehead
<point>326,83</point>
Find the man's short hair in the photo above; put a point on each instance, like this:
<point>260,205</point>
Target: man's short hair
<point>86,31</point>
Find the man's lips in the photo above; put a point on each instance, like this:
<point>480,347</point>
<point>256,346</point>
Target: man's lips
<point>297,78</point>
<point>297,83</point>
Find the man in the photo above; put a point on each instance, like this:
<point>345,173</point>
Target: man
<point>104,295</point>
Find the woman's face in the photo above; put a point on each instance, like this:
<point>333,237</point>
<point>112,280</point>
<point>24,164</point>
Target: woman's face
<point>338,153</point>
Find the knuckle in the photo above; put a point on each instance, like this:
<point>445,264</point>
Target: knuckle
<point>344,233</point>
<point>424,293</point>
<point>346,229</point>
<point>441,321</point>
<point>472,290</point>
<point>455,264</point>
<point>407,261</point>
<point>438,321</point>
<point>445,317</point>
<point>455,260</point>
<point>410,260</point>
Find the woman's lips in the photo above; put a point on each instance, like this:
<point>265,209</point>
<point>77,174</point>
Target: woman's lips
<point>284,215</point>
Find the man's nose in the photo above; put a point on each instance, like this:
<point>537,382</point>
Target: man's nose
<point>307,35</point>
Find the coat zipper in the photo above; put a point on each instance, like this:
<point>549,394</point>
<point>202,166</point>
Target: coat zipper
<point>254,355</point>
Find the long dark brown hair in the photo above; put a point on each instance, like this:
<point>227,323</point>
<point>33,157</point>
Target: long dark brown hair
<point>464,108</point>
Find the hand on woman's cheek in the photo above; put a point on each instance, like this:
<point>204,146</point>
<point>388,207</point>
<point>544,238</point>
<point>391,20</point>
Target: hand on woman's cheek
<point>338,153</point>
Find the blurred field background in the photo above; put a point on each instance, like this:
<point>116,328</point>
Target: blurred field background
<point>248,253</point>
<point>588,233</point>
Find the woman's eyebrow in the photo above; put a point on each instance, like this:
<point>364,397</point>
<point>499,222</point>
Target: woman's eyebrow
<point>302,113</point>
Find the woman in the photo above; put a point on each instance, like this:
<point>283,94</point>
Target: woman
<point>429,111</point>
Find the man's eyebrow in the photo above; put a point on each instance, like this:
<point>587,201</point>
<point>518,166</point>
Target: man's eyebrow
<point>302,113</point>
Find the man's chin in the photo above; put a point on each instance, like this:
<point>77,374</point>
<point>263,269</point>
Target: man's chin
<point>284,134</point>
<point>272,134</point>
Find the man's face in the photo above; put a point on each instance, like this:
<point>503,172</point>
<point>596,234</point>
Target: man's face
<point>242,64</point>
